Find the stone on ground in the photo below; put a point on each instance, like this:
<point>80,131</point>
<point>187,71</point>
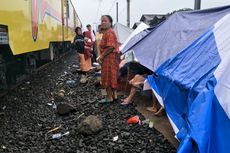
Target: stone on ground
<point>64,109</point>
<point>91,125</point>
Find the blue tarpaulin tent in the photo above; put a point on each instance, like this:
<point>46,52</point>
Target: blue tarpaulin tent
<point>193,79</point>
<point>153,47</point>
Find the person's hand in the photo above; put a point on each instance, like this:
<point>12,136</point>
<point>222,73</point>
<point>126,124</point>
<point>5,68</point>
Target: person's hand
<point>99,60</point>
<point>89,41</point>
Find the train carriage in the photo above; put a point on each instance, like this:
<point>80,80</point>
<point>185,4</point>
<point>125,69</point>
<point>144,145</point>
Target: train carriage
<point>33,32</point>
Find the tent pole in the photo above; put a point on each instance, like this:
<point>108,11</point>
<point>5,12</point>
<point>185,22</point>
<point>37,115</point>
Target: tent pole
<point>117,11</point>
<point>128,13</point>
<point>197,4</point>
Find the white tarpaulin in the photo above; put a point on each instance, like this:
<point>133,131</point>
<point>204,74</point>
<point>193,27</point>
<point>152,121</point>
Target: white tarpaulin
<point>142,26</point>
<point>122,32</point>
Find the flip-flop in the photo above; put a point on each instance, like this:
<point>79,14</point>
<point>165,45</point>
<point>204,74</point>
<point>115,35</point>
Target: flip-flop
<point>105,100</point>
<point>126,103</point>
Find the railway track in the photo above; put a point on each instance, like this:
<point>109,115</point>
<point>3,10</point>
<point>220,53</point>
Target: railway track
<point>25,77</point>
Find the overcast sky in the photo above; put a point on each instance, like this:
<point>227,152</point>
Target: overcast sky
<point>90,11</point>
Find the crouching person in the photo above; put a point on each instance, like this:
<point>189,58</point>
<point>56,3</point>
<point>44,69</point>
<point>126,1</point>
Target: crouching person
<point>134,74</point>
<point>136,83</point>
<point>139,83</point>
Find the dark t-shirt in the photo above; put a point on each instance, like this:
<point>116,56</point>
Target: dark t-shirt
<point>79,44</point>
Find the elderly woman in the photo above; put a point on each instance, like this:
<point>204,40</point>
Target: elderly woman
<point>109,59</point>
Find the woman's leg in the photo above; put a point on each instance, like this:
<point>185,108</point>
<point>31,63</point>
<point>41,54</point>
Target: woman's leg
<point>109,93</point>
<point>114,94</point>
<point>154,107</point>
<point>82,62</point>
<point>88,64</point>
<point>83,67</point>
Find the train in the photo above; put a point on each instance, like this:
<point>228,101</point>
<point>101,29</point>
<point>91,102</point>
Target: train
<point>33,32</point>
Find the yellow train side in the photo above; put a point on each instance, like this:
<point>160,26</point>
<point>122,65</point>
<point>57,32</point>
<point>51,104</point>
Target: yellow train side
<point>55,21</point>
<point>33,32</point>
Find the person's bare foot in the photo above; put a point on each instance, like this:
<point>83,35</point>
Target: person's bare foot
<point>160,112</point>
<point>152,109</point>
<point>126,101</point>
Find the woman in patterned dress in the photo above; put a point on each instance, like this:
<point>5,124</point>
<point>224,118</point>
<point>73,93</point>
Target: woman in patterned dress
<point>109,59</point>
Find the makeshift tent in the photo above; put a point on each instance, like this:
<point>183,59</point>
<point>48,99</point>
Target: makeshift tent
<point>122,32</point>
<point>135,39</point>
<point>194,85</point>
<point>174,34</point>
<point>142,26</point>
<point>129,56</point>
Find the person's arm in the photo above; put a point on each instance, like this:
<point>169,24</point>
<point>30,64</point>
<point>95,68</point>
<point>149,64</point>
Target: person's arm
<point>110,43</point>
<point>107,52</point>
<point>87,47</point>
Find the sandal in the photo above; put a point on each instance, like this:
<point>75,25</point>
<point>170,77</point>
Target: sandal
<point>125,103</point>
<point>105,100</point>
